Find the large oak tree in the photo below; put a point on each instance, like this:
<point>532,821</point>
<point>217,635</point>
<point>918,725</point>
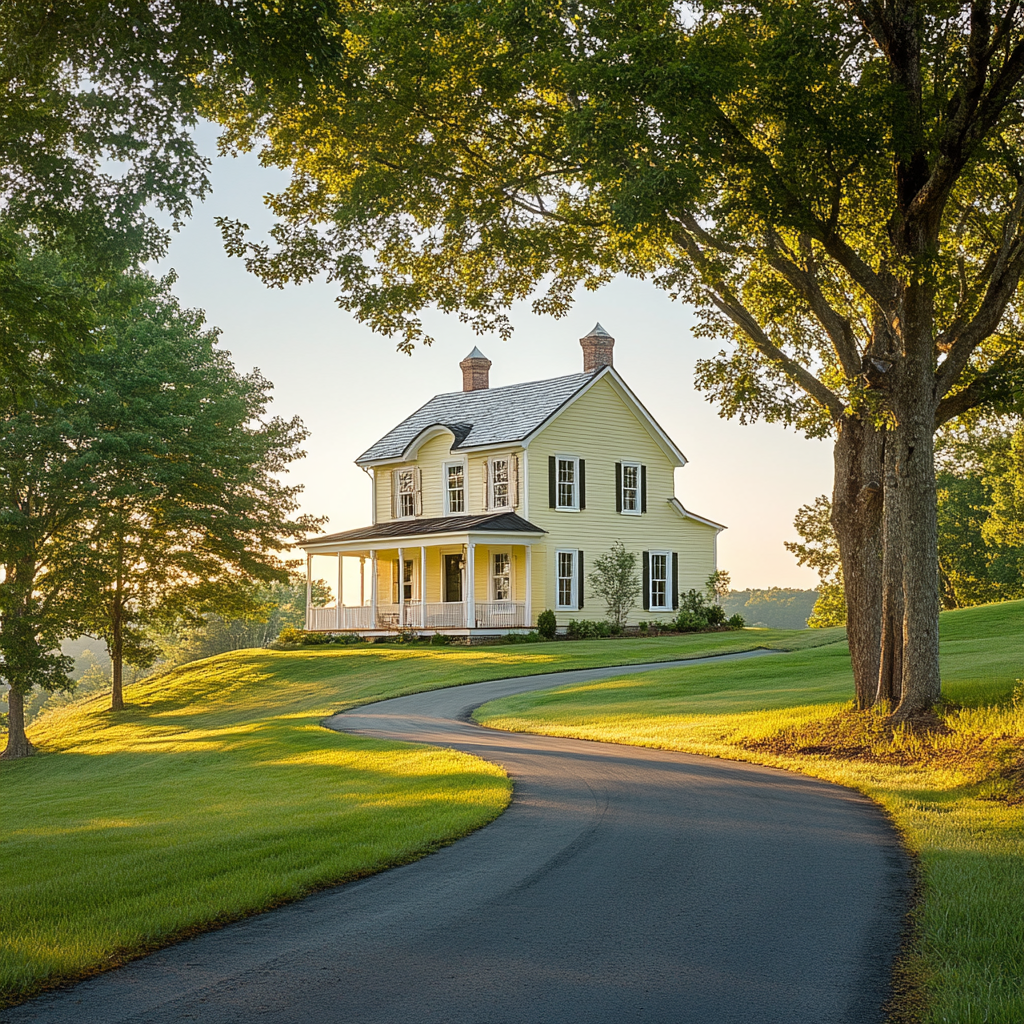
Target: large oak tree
<point>836,188</point>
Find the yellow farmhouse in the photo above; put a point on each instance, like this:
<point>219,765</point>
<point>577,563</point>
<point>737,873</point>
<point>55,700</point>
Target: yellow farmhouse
<point>490,504</point>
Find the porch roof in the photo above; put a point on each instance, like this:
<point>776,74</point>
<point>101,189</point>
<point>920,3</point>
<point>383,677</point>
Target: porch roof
<point>408,529</point>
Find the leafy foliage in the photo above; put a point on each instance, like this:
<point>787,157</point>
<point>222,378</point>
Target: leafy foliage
<point>819,550</point>
<point>696,612</point>
<point>546,624</point>
<point>615,577</point>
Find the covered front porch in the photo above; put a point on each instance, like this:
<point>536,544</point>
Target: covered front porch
<point>476,581</point>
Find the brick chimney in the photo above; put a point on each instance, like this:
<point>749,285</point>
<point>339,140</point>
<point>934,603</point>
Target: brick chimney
<point>475,368</point>
<point>597,349</point>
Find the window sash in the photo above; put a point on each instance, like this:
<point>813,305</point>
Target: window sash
<point>567,480</point>
<point>630,487</point>
<point>502,576</point>
<point>659,580</point>
<point>500,480</point>
<point>456,488</point>
<point>566,579</point>
<point>406,492</point>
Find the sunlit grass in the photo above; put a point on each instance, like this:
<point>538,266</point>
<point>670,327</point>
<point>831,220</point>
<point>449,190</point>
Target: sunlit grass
<point>969,944</point>
<point>216,793</point>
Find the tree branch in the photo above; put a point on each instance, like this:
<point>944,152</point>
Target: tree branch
<point>991,384</point>
<point>729,303</point>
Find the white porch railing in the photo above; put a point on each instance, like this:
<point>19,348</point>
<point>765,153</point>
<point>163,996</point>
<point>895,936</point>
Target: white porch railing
<point>415,615</point>
<point>501,614</point>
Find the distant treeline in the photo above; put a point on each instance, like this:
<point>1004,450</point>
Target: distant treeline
<point>776,607</point>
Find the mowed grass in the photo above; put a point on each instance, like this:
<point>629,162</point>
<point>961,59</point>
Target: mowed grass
<point>217,794</point>
<point>945,793</point>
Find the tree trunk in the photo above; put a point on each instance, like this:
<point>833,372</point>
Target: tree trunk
<point>890,675</point>
<point>916,499</point>
<point>857,519</point>
<point>116,653</point>
<point>17,742</point>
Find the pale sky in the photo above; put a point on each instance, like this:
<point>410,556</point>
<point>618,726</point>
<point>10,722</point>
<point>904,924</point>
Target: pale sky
<point>351,386</point>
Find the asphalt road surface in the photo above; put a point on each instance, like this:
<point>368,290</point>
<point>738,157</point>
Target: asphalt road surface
<point>621,885</point>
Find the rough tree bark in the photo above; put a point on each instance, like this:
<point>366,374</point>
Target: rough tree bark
<point>17,742</point>
<point>857,503</point>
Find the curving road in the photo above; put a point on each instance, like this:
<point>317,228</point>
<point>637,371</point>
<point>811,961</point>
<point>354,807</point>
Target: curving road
<point>621,885</point>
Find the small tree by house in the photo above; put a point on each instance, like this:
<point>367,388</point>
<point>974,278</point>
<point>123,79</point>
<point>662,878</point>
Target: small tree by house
<point>717,586</point>
<point>616,578</point>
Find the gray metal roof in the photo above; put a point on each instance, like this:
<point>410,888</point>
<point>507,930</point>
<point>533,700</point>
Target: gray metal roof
<point>497,522</point>
<point>490,416</point>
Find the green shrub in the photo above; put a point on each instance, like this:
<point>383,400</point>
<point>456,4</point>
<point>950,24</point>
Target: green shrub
<point>642,626</point>
<point>588,629</point>
<point>737,622</point>
<point>546,624</point>
<point>697,613</point>
<point>305,637</point>
<point>440,640</point>
<point>521,638</point>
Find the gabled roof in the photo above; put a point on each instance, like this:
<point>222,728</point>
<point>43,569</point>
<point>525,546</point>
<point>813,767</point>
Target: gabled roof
<point>493,416</point>
<point>492,522</point>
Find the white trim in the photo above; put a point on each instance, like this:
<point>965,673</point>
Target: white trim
<point>529,584</point>
<point>669,582</point>
<point>575,459</point>
<point>469,589</point>
<point>638,511</point>
<point>574,599</point>
<point>524,482</point>
<point>678,505</point>
<point>465,486</point>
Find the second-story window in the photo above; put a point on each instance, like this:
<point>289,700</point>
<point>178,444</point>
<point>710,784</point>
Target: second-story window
<point>567,481</point>
<point>501,479</point>
<point>455,487</point>
<point>405,493</point>
<point>630,487</point>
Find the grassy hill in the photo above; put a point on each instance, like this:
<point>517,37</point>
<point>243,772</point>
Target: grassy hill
<point>956,794</point>
<point>217,794</point>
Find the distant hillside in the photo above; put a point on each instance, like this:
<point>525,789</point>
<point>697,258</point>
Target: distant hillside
<point>776,607</point>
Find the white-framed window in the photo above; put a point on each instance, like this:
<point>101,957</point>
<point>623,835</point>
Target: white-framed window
<point>501,576</point>
<point>455,488</point>
<point>565,568</point>
<point>403,577</point>
<point>660,582</point>
<point>630,494</point>
<point>567,482</point>
<point>405,492</point>
<point>500,482</point>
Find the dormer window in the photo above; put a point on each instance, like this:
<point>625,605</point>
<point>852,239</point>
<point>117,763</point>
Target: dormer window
<point>406,498</point>
<point>455,488</point>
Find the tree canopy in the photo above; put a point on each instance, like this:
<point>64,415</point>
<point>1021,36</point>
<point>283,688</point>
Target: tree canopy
<point>836,188</point>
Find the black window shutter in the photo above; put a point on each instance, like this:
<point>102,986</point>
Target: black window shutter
<point>643,488</point>
<point>583,485</point>
<point>646,557</point>
<point>552,475</point>
<point>675,580</point>
<point>579,579</point>
<point>618,486</point>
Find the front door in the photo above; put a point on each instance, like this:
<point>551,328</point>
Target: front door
<point>453,577</point>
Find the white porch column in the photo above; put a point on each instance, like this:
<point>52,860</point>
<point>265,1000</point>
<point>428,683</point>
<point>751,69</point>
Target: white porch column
<point>423,586</point>
<point>470,586</point>
<point>338,602</point>
<point>373,589</point>
<point>401,587</point>
<point>529,584</point>
<point>362,581</point>
<point>309,589</point>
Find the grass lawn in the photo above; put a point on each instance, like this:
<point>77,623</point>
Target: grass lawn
<point>946,793</point>
<point>217,794</point>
